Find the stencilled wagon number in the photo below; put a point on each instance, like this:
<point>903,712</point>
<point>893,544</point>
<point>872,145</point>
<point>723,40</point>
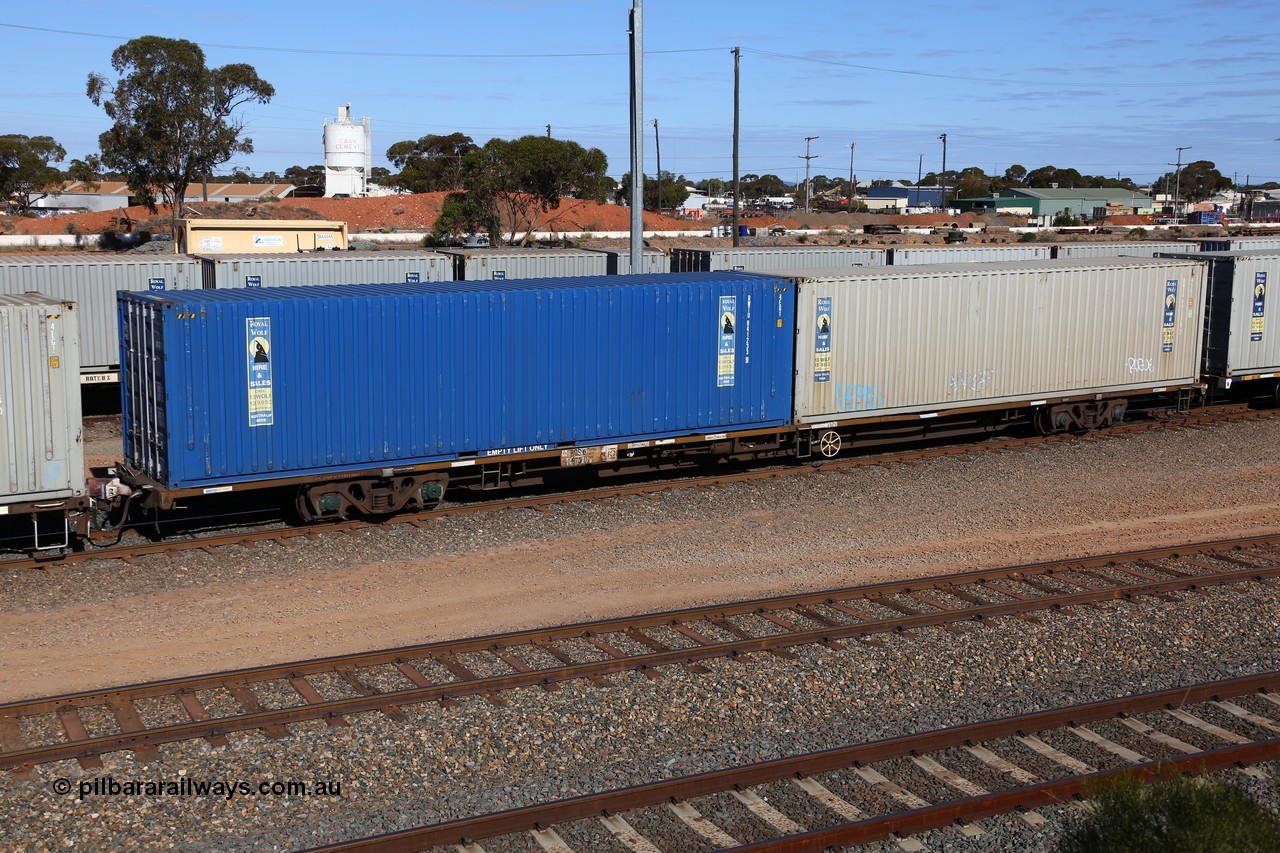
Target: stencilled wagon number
<point>970,382</point>
<point>1138,364</point>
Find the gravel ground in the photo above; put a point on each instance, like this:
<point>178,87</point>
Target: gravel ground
<point>444,764</point>
<point>98,625</point>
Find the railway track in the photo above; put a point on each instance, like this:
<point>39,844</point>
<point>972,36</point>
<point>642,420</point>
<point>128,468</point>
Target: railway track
<point>893,789</point>
<point>285,535</point>
<point>86,725</point>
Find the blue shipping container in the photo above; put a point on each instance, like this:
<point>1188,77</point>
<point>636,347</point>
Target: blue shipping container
<point>224,386</point>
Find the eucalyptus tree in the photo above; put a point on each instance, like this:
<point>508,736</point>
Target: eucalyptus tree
<point>173,118</point>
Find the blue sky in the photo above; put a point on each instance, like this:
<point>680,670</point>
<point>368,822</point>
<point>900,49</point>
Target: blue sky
<point>1107,88</point>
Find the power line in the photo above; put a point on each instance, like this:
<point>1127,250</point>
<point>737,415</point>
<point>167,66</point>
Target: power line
<point>598,54</point>
<point>378,54</point>
<point>1002,80</point>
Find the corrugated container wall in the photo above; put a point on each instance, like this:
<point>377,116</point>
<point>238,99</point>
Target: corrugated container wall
<point>230,385</point>
<point>913,255</point>
<point>1231,244</point>
<point>92,282</point>
<point>290,270</point>
<point>618,261</point>
<point>1239,340</point>
<point>775,258</point>
<point>41,452</point>
<point>1115,250</point>
<point>925,338</point>
<point>511,263</point>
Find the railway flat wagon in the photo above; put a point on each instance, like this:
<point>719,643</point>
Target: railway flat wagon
<point>775,258</point>
<point>392,392</point>
<point>516,262</point>
<point>915,255</point>
<point>91,282</point>
<point>1240,350</point>
<point>318,268</point>
<point>42,477</point>
<point>1068,343</point>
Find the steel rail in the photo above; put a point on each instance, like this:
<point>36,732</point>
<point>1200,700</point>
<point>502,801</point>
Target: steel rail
<point>541,816</point>
<point>332,709</point>
<point>1004,802</point>
<point>351,526</point>
<point>579,630</point>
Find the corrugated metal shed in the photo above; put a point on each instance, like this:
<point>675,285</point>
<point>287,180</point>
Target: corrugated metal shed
<point>774,258</point>
<point>1124,249</point>
<point>91,281</point>
<point>224,386</point>
<point>926,338</point>
<point>618,261</point>
<point>911,255</point>
<point>514,262</point>
<point>1240,343</point>
<point>293,269</point>
<point>41,452</point>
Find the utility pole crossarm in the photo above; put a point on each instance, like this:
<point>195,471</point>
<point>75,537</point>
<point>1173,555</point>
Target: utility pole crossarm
<point>807,157</point>
<point>1177,191</point>
<point>942,202</point>
<point>853,185</point>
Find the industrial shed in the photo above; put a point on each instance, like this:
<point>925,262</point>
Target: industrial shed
<point>1094,203</point>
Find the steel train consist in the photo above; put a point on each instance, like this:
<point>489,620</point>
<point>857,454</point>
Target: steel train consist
<point>374,399</point>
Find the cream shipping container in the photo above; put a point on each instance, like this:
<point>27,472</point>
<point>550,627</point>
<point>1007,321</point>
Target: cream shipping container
<point>42,477</point>
<point>92,281</point>
<point>321,268</point>
<point>1060,337</point>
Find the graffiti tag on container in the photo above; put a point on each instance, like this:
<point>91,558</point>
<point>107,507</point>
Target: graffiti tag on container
<point>970,382</point>
<point>1138,364</point>
<point>858,398</point>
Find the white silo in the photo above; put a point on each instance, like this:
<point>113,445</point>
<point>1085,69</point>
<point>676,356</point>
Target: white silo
<point>348,155</point>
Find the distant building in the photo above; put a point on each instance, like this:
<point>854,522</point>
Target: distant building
<point>77,196</point>
<point>1085,202</point>
<point>232,193</point>
<point>908,196</point>
<point>695,206</point>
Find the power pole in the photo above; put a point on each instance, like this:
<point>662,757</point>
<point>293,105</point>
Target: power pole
<point>853,187</point>
<point>637,135</point>
<point>942,202</point>
<point>919,175</point>
<point>1177,184</point>
<point>657,150</point>
<point>737,184</point>
<point>807,157</point>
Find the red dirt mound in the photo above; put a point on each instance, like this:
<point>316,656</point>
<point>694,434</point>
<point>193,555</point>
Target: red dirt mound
<point>398,212</point>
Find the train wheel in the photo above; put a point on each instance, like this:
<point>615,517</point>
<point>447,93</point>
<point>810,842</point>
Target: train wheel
<point>315,504</point>
<point>829,443</point>
<point>1050,421</point>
